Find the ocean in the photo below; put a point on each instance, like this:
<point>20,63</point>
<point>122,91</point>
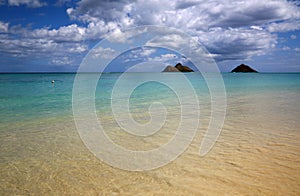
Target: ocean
<point>257,152</point>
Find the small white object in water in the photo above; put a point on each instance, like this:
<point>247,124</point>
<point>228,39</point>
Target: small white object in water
<point>52,81</point>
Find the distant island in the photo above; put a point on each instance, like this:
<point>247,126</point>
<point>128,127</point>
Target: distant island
<point>177,68</point>
<point>181,68</point>
<point>243,68</point>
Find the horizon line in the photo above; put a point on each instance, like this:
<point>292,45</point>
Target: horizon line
<point>71,72</point>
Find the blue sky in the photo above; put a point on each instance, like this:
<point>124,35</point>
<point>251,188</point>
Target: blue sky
<point>54,36</point>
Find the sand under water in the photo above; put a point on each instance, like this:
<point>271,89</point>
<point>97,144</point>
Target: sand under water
<point>257,153</point>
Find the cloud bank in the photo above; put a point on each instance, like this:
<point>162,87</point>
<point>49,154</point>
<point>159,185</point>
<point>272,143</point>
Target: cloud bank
<point>229,29</point>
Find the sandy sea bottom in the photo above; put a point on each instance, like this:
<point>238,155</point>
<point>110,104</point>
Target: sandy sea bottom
<point>258,152</point>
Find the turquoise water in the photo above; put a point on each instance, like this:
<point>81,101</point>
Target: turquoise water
<point>30,96</point>
<point>42,153</point>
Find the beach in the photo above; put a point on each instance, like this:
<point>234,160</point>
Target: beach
<point>257,152</point>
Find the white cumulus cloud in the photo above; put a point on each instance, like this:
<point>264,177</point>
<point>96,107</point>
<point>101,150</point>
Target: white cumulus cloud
<point>3,27</point>
<point>229,29</point>
<point>293,37</point>
<point>105,53</point>
<point>29,3</point>
<point>284,26</point>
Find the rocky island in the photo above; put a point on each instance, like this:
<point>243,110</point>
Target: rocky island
<point>177,68</point>
<point>244,68</point>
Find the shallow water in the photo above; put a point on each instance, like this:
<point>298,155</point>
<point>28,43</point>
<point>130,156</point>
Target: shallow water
<point>258,151</point>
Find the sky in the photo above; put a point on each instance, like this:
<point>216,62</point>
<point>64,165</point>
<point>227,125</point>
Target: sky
<point>55,36</point>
